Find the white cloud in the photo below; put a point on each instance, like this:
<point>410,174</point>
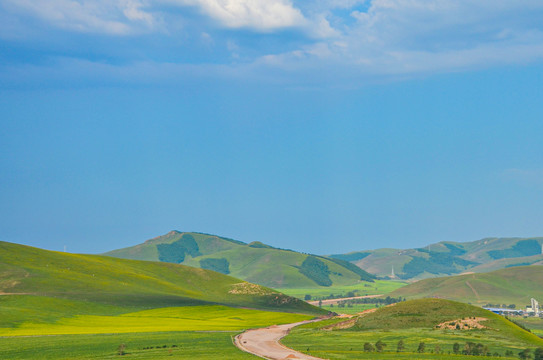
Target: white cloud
<point>262,15</point>
<point>346,39</point>
<point>409,37</point>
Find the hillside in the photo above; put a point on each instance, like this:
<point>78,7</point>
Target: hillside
<point>428,313</point>
<point>415,329</point>
<point>45,285</point>
<point>255,262</point>
<point>449,258</point>
<point>515,285</point>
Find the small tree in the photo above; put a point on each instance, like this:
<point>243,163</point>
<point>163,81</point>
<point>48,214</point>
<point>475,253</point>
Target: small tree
<point>401,346</point>
<point>437,349</point>
<point>469,348</point>
<point>524,354</point>
<point>508,352</point>
<point>320,303</point>
<point>379,345</point>
<point>421,347</point>
<point>368,347</point>
<point>307,297</point>
<point>121,349</point>
<point>456,348</point>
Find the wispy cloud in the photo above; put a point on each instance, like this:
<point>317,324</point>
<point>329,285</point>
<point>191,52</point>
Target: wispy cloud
<point>350,39</point>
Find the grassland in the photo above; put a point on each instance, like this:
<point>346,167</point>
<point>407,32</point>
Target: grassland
<point>188,318</point>
<point>362,288</point>
<point>533,323</point>
<point>163,345</point>
<point>413,322</point>
<point>69,306</point>
<point>514,285</point>
<point>189,332</point>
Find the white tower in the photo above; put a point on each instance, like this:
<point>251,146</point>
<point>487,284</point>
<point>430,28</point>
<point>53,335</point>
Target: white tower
<point>535,307</point>
<point>392,272</point>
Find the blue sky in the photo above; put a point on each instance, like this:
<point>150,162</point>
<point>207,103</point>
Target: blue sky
<point>325,126</point>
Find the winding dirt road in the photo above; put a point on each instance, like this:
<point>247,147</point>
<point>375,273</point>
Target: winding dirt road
<point>265,342</point>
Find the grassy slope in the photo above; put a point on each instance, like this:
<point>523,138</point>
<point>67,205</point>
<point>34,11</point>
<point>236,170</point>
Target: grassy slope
<point>514,285</point>
<point>102,302</point>
<point>413,322</point>
<point>106,285</point>
<point>262,265</point>
<point>507,263</point>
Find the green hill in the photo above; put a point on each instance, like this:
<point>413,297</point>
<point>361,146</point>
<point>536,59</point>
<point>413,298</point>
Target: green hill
<point>428,313</point>
<point>514,285</point>
<point>449,258</point>
<point>255,262</point>
<point>45,285</point>
<point>425,329</point>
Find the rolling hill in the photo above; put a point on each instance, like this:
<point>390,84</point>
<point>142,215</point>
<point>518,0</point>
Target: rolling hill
<point>515,285</point>
<point>45,285</point>
<point>254,262</point>
<point>420,329</point>
<point>449,258</point>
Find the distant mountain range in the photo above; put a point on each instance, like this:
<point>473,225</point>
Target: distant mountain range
<point>515,285</point>
<point>448,258</point>
<point>254,262</point>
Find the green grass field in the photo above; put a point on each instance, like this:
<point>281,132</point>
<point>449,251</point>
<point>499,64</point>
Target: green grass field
<point>362,288</point>
<point>413,322</point>
<point>167,345</point>
<point>188,318</point>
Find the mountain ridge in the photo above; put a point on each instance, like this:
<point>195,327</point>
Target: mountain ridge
<point>448,257</point>
<point>255,262</point>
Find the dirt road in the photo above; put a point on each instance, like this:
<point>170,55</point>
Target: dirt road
<point>265,343</point>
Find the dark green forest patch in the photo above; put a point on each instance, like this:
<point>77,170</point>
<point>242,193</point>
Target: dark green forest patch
<point>316,270</point>
<point>219,265</point>
<point>176,251</point>
<point>520,249</point>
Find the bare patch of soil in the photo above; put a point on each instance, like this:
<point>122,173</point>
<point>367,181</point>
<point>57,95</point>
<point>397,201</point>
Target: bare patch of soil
<point>463,324</point>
